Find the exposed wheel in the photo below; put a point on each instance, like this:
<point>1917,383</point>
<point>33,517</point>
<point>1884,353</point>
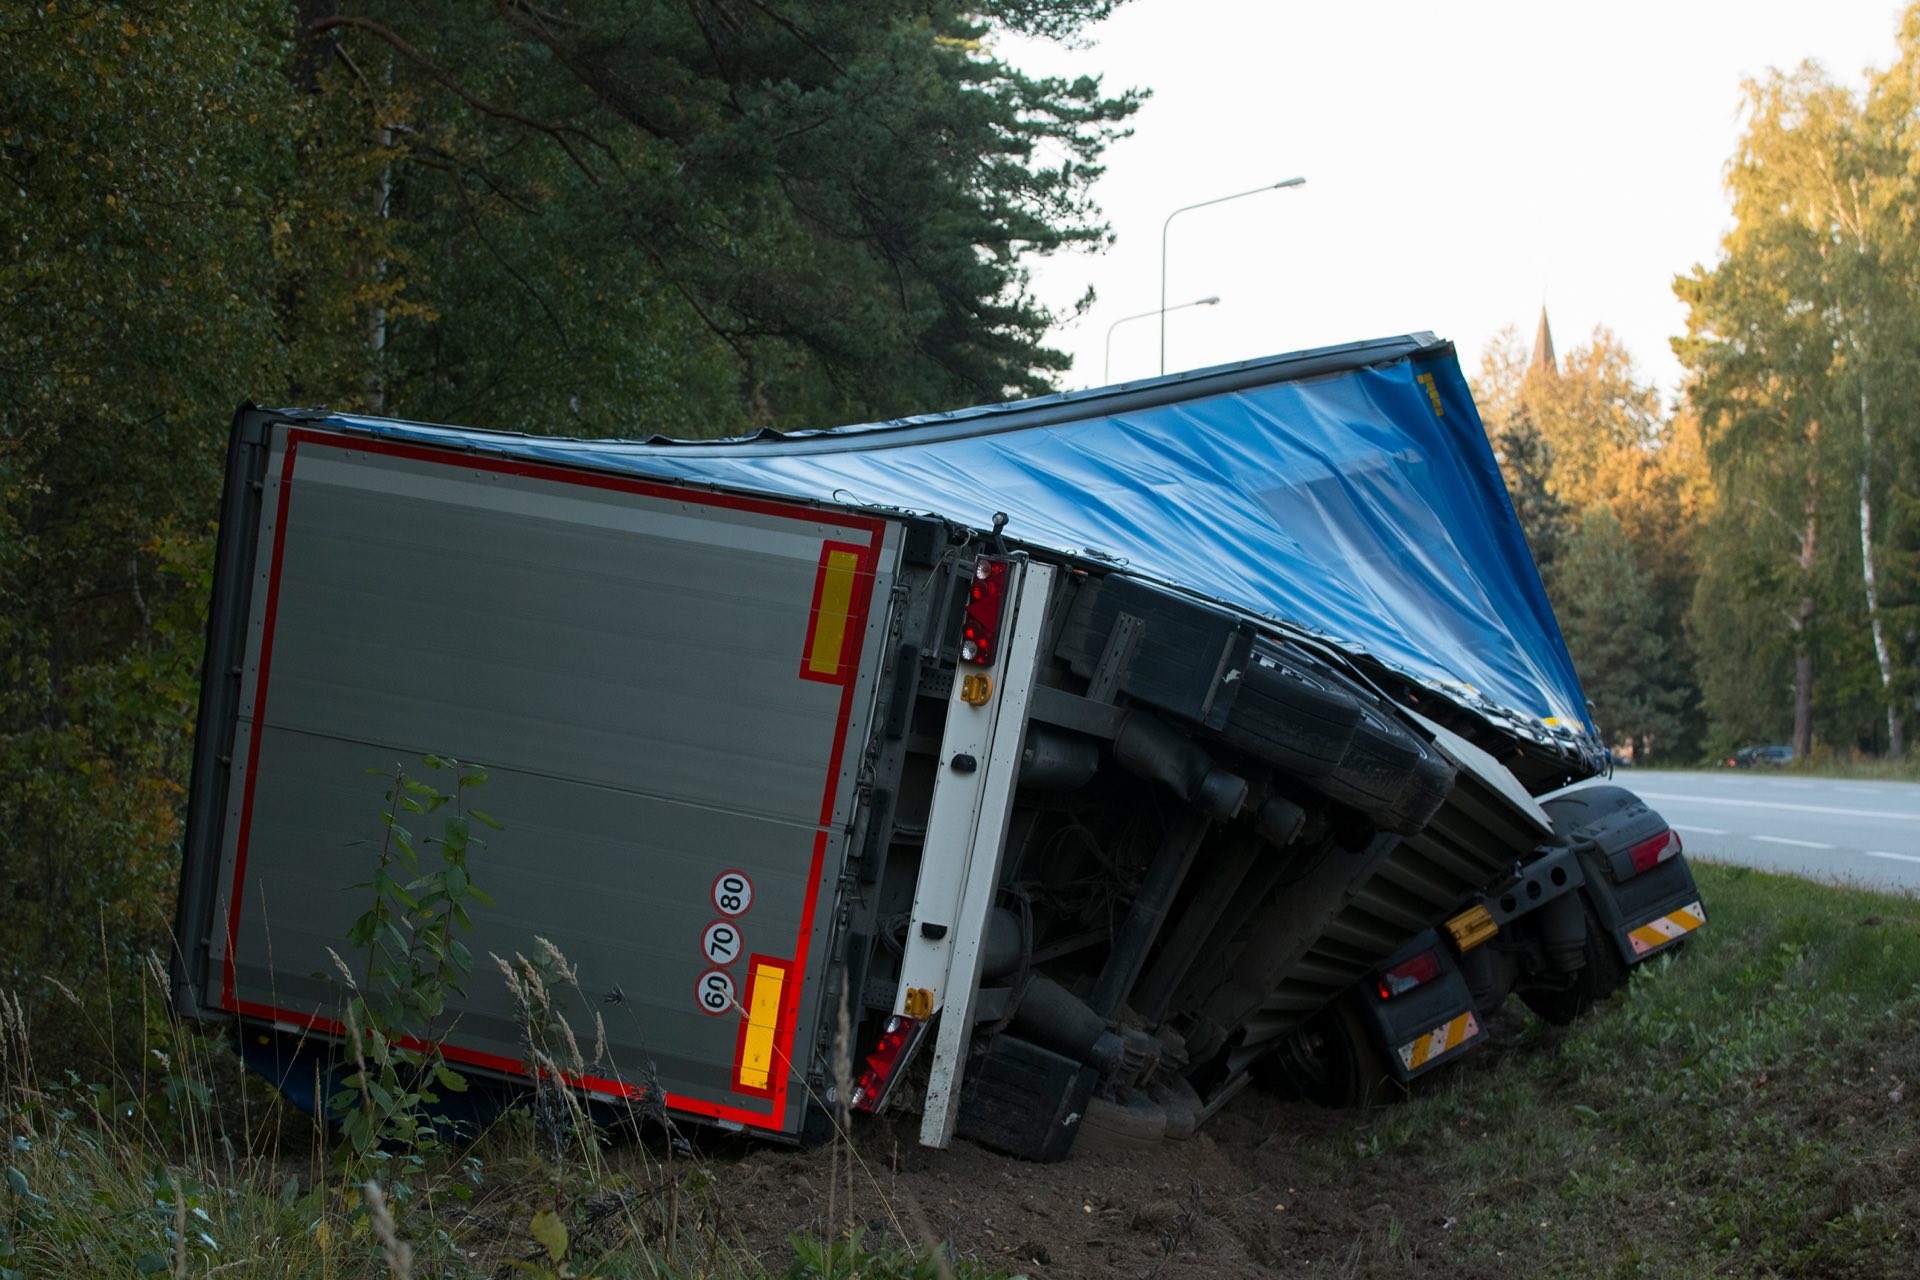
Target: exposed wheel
<point>1290,716</point>
<point>1332,1061</point>
<point>1108,1126</point>
<point>1388,774</point>
<point>1603,974</point>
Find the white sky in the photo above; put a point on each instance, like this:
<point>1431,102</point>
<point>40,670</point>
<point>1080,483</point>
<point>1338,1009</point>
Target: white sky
<point>1465,163</point>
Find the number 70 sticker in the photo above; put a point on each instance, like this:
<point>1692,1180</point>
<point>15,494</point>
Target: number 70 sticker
<point>721,942</point>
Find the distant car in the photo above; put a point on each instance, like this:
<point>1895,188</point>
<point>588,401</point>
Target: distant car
<point>1767,757</point>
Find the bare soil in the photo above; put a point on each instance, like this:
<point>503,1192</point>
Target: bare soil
<point>1255,1193</point>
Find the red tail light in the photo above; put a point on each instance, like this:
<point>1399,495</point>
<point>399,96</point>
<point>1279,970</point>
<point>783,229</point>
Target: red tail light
<point>1405,976</point>
<point>986,602</point>
<point>890,1054</point>
<point>1653,851</point>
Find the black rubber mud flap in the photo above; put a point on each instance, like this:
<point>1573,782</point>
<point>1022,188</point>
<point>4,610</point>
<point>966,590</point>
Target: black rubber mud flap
<point>1024,1100</point>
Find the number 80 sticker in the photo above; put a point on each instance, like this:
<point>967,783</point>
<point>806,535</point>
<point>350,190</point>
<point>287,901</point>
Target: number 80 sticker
<point>732,893</point>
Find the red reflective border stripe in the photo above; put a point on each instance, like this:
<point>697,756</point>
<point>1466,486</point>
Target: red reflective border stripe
<point>850,656</point>
<point>777,1066</point>
<point>859,597</point>
<point>259,718</point>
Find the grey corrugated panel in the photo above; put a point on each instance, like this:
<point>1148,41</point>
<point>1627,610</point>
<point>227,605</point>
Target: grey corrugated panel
<point>1298,999</point>
<point>1365,932</point>
<point>1322,970</point>
<point>1402,911</point>
<point>515,620</point>
<point>1417,874</point>
<point>1448,863</point>
<point>1335,951</point>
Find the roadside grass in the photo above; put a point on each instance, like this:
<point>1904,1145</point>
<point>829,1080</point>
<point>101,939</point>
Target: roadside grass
<point>183,1164</point>
<point>1823,763</point>
<point>1746,1108</point>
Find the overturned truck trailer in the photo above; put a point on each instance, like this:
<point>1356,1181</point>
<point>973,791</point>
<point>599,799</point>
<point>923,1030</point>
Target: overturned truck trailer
<point>1096,753</point>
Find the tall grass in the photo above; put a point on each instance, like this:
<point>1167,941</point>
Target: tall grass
<point>1743,1108</point>
<point>184,1164</point>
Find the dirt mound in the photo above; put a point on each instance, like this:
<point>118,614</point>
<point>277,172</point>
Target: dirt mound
<point>1254,1193</point>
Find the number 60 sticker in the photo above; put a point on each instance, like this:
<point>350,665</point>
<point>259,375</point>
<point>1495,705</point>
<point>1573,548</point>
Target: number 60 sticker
<point>732,893</point>
<point>715,991</point>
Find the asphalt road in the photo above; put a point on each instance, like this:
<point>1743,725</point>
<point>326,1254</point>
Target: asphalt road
<point>1864,833</point>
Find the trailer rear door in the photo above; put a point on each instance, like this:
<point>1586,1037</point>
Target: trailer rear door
<point>672,691</point>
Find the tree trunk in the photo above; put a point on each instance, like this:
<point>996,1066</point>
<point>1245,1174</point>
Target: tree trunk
<point>1896,724</point>
<point>1803,667</point>
<point>1803,682</point>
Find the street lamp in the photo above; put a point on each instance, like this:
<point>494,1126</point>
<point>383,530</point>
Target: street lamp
<point>1288,182</point>
<point>1106,369</point>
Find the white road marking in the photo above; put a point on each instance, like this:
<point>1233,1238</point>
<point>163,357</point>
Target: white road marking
<point>1699,831</point>
<point>1798,844</point>
<point>1897,857</point>
<point>1774,804</point>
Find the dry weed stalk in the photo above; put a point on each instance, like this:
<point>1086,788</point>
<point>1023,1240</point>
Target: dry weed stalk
<point>397,1252</point>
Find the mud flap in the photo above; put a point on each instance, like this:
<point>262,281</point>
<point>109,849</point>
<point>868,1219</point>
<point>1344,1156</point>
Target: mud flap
<point>1024,1100</point>
<point>1422,1026</point>
<point>1644,912</point>
<point>1650,912</point>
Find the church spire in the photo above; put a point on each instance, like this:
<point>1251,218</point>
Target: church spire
<point>1543,348</point>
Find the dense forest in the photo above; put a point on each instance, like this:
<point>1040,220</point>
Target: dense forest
<point>696,218</point>
<point>1744,566</point>
<point>612,218</point>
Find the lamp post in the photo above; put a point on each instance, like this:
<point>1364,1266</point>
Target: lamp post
<point>1286,182</point>
<point>1106,368</point>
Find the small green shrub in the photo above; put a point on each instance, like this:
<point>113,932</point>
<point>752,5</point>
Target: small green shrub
<point>415,961</point>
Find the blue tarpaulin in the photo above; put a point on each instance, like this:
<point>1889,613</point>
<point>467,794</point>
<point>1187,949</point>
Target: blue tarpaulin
<point>1349,492</point>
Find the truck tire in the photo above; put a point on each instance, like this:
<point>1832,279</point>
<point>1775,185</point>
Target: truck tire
<point>1332,1061</point>
<point>1109,1127</point>
<point>1603,974</point>
<point>1388,774</point>
<point>1291,717</point>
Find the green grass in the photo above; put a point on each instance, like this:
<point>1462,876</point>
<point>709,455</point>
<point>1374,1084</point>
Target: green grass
<point>1746,1108</point>
<point>193,1167</point>
<point>1823,763</point>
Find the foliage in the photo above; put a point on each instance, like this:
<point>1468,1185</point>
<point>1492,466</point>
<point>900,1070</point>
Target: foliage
<point>415,962</point>
<point>1805,376</point>
<point>1611,620</point>
<point>138,162</point>
<point>1585,437</point>
<point>623,217</point>
<point>796,216</point>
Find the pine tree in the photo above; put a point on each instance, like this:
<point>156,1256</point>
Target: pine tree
<point>1612,622</point>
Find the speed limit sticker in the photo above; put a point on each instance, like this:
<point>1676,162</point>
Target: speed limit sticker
<point>721,942</point>
<point>715,991</point>
<point>732,893</point>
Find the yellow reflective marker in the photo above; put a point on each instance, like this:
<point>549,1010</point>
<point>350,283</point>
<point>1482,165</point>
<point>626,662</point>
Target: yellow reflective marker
<point>1448,1035</point>
<point>1433,394</point>
<point>763,1016</point>
<point>830,623</point>
<point>919,1002</point>
<point>1472,927</point>
<point>1655,934</point>
<point>976,689</point>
